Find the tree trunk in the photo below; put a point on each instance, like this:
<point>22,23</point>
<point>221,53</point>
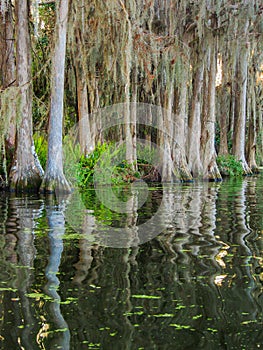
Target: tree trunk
<point>7,59</point>
<point>179,132</point>
<point>208,152</point>
<point>259,99</point>
<point>54,179</point>
<point>167,164</point>
<point>86,137</point>
<point>7,66</point>
<point>130,127</point>
<point>134,116</point>
<point>239,134</point>
<point>7,79</point>
<point>194,124</point>
<point>87,142</point>
<point>252,129</point>
<point>26,172</point>
<point>224,108</point>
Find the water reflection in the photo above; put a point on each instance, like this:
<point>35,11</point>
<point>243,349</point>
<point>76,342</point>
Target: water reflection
<point>197,285</point>
<point>137,222</point>
<point>19,216</point>
<point>56,224</point>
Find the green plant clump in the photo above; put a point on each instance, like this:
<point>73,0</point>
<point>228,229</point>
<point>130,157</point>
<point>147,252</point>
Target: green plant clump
<point>86,165</point>
<point>119,170</point>
<point>112,166</point>
<point>230,166</point>
<point>41,146</point>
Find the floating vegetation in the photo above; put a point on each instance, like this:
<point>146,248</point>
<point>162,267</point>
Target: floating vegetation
<point>180,326</point>
<point>3,289</point>
<point>212,330</point>
<point>133,313</point>
<point>142,296</point>
<point>163,315</point>
<point>197,317</point>
<point>38,296</point>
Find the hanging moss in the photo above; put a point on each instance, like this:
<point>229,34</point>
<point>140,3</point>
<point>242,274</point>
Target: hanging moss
<point>145,51</point>
<point>9,100</point>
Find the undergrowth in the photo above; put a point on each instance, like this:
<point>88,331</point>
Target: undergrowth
<point>230,166</point>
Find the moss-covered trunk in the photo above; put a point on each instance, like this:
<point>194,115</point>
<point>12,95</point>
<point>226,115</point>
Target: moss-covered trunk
<point>194,123</point>
<point>26,172</point>
<point>182,171</point>
<point>252,127</point>
<point>207,144</point>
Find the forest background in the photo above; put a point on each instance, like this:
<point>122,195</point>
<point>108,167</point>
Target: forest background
<point>63,61</point>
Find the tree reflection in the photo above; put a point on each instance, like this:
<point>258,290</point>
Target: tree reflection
<point>196,285</point>
<point>18,311</point>
<point>193,270</point>
<point>56,223</point>
<point>237,290</point>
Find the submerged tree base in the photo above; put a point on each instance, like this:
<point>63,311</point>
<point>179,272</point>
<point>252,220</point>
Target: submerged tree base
<point>185,175</point>
<point>246,168</point>
<point>213,174</point>
<point>25,183</point>
<point>255,169</point>
<point>56,184</point>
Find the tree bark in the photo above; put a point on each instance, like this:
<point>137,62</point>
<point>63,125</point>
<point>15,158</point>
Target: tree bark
<point>224,107</point>
<point>86,136</point>
<point>7,80</point>
<point>7,59</point>
<point>259,99</point>
<point>252,129</point>
<point>208,152</point>
<point>54,179</point>
<point>239,134</point>
<point>130,127</point>
<point>167,163</point>
<point>194,124</point>
<point>26,172</point>
<point>179,138</point>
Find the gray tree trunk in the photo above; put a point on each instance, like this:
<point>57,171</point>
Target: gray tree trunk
<point>86,136</point>
<point>194,124</point>
<point>208,152</point>
<point>7,80</point>
<point>54,179</point>
<point>26,172</point>
<point>239,134</point>
<point>179,133</point>
<point>252,129</point>
<point>224,108</point>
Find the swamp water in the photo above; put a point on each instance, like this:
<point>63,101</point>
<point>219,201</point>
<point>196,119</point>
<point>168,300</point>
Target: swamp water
<point>77,275</point>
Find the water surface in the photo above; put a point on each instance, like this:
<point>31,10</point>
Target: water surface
<point>76,275</point>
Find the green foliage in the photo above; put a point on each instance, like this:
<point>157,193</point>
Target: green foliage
<point>230,166</point>
<point>147,154</point>
<point>112,158</point>
<point>104,214</point>
<point>217,136</point>
<point>115,169</point>
<point>259,148</point>
<point>70,117</point>
<point>41,146</point>
<point>86,165</point>
<point>71,156</point>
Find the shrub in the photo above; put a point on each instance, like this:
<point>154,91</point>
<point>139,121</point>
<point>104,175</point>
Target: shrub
<point>230,166</point>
